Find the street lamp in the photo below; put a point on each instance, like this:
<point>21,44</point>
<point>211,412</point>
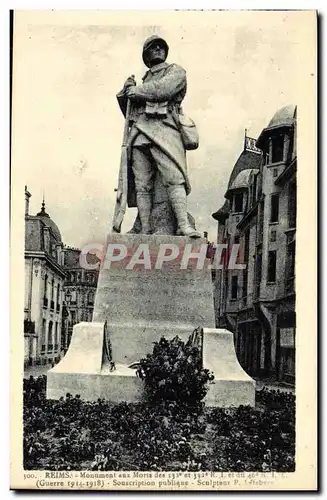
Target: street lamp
<point>68,298</point>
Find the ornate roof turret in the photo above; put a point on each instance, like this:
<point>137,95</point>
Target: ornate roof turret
<point>42,213</point>
<point>284,117</point>
<point>46,219</point>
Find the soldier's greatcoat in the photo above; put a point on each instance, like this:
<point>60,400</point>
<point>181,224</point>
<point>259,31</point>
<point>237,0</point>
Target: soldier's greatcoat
<point>155,117</point>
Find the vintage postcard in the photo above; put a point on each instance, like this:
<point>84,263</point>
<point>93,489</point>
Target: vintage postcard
<point>163,250</point>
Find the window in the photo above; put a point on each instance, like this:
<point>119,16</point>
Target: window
<point>258,272</point>
<point>290,267</point>
<point>90,298</point>
<point>45,292</point>
<point>43,332</point>
<point>292,205</point>
<point>246,247</point>
<point>245,283</point>
<point>273,236</point>
<point>238,202</point>
<point>290,152</point>
<point>74,297</point>
<point>45,286</point>
<point>58,293</point>
<point>234,287</point>
<point>261,221</point>
<point>272,258</point>
<point>50,338</point>
<point>274,207</point>
<point>277,148</point>
<point>56,335</point>
<point>246,262</point>
<point>53,250</point>
<point>226,287</point>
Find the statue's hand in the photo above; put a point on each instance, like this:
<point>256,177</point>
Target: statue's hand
<point>130,82</point>
<point>131,93</point>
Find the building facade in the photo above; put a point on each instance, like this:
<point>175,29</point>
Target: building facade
<point>258,302</point>
<point>59,292</point>
<point>44,279</point>
<point>79,291</point>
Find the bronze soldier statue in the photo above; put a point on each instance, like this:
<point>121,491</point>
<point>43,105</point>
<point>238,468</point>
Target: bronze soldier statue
<point>155,141</point>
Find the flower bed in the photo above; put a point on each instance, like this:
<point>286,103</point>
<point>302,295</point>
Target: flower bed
<point>71,434</point>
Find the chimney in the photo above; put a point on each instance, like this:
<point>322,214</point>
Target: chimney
<point>27,201</point>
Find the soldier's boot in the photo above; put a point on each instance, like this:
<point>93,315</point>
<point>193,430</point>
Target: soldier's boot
<point>177,198</point>
<point>144,206</point>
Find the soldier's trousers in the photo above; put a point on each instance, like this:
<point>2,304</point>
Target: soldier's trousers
<point>146,160</point>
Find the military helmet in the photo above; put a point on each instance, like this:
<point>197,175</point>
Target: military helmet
<point>147,44</point>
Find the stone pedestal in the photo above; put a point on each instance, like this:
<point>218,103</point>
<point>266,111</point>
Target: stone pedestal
<point>138,304</point>
<point>86,370</point>
<point>232,385</point>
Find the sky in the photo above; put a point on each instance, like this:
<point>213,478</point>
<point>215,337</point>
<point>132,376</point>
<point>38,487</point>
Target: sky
<point>67,127</point>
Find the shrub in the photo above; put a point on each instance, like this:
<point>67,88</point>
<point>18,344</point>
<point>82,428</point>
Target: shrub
<point>174,372</point>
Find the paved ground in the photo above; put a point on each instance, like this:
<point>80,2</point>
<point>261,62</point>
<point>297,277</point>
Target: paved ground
<point>275,386</point>
<point>36,371</point>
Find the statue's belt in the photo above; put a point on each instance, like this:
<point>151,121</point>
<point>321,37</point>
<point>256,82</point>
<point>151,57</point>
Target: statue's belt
<point>157,109</point>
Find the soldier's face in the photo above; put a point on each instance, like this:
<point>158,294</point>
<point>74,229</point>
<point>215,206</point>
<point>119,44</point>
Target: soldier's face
<point>156,54</point>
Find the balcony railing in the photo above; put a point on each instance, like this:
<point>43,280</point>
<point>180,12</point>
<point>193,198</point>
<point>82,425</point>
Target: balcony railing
<point>45,302</point>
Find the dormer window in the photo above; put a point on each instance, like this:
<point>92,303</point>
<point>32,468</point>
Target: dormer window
<point>238,202</point>
<point>53,251</point>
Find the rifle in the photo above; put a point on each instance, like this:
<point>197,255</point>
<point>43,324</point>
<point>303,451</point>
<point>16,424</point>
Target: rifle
<point>121,198</point>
